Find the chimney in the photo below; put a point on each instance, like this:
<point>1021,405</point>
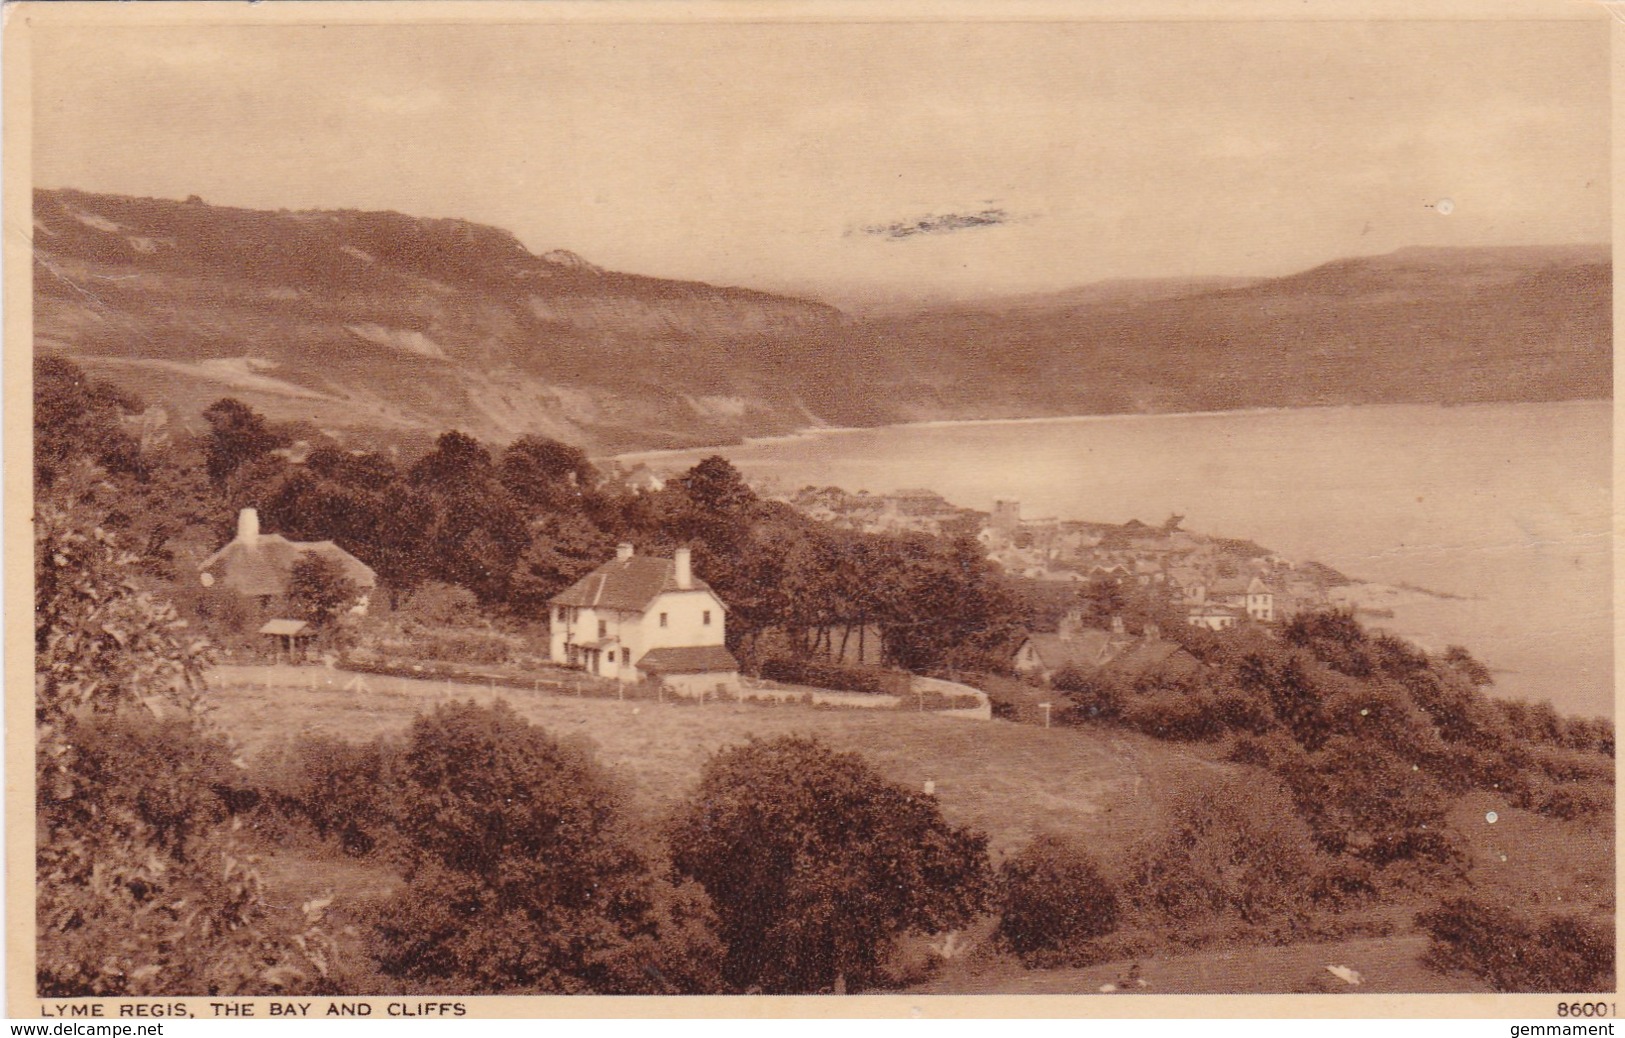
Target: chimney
<point>248,526</point>
<point>623,551</point>
<point>685,569</point>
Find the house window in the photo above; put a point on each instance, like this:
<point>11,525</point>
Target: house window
<point>662,619</point>
<point>603,628</point>
<point>626,657</point>
<point>707,618</point>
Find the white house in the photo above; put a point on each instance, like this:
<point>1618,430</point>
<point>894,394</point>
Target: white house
<point>1254,597</point>
<point>636,617</point>
<point>1213,616</point>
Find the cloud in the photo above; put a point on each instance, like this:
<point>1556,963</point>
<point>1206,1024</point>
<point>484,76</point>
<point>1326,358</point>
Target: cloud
<point>937,223</point>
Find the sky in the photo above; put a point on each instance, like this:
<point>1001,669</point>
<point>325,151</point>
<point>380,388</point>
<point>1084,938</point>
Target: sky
<point>914,159</point>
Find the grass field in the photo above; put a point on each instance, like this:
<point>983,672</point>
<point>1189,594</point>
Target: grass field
<point>1011,781</point>
<point>1008,780</point>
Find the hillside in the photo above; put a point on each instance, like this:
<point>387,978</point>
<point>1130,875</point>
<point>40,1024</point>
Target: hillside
<point>353,319</point>
<point>1414,326</point>
<point>379,321</point>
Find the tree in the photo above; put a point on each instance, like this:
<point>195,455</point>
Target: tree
<point>140,887</point>
<point>477,534</point>
<point>1055,899</point>
<point>546,475</point>
<point>522,877</point>
<point>319,590</point>
<point>563,549</point>
<point>77,418</point>
<point>945,610</point>
<point>237,434</point>
<point>716,489</point>
<point>816,865</point>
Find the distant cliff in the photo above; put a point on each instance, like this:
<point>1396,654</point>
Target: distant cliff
<point>379,321</point>
<point>1413,326</point>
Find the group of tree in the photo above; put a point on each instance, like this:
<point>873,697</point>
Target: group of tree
<point>791,868</point>
<point>1373,737</point>
<point>517,525</point>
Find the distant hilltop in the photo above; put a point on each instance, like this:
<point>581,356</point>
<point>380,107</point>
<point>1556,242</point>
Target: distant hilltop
<point>395,324</point>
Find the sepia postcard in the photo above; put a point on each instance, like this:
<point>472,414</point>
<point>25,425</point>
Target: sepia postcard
<point>911,509</point>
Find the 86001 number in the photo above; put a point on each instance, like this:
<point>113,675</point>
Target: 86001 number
<point>1586,1009</point>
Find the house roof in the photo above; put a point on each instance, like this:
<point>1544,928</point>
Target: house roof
<point>689,659</point>
<point>263,566</point>
<point>626,584</point>
<point>1086,648</point>
<point>1240,586</point>
<point>1152,655</point>
<point>290,628</point>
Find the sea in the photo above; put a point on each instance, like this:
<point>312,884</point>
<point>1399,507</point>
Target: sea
<point>1484,525</point>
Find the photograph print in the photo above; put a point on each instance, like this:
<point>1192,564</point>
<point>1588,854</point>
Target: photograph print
<point>613,499</point>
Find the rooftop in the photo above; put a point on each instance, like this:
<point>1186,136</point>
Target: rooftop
<point>689,659</point>
<point>627,584</point>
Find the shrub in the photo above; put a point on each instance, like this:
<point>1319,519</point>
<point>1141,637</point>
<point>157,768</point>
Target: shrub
<point>175,778</point>
<point>1366,801</point>
<point>816,865</point>
<point>1335,638</point>
<point>1289,684</point>
<point>1519,952</point>
<point>443,605</point>
<point>1089,697</point>
<point>840,677</point>
<point>1242,712</point>
<point>1055,900</point>
<point>140,888</point>
<point>1235,852</point>
<point>342,791</point>
<point>1575,800</point>
<point>1561,765</point>
<point>521,876</point>
<point>1174,715</point>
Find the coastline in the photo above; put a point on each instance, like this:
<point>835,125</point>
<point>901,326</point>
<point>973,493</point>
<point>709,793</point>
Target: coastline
<point>813,432</point>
